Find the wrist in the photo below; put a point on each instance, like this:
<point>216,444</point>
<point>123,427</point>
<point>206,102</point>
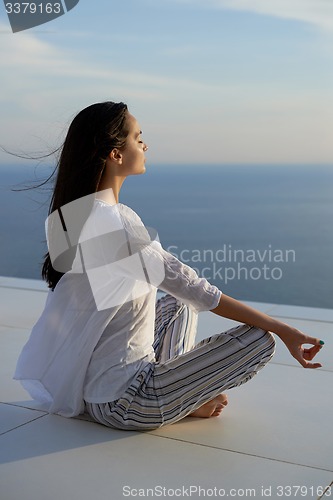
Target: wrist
<point>282,330</point>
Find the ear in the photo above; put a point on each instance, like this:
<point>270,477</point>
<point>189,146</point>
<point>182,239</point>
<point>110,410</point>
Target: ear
<point>116,156</point>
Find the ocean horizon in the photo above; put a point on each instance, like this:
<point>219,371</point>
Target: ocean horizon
<point>259,233</point>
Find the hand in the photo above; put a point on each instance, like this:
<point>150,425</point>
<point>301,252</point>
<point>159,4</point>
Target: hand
<point>294,340</point>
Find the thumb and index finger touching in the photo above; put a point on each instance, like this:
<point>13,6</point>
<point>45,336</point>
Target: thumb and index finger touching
<point>313,340</point>
<point>305,355</point>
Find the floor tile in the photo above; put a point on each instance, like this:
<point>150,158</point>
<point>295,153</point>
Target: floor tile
<point>23,283</point>
<point>61,458</point>
<point>20,308</point>
<point>284,413</point>
<point>13,416</point>
<point>275,431</point>
<point>11,391</point>
<point>298,312</point>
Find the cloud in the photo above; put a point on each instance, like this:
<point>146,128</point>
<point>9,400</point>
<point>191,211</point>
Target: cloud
<point>232,119</point>
<point>315,12</point>
<point>43,86</point>
<point>38,63</point>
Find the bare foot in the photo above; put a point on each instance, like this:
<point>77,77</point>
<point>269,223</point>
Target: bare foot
<point>212,408</point>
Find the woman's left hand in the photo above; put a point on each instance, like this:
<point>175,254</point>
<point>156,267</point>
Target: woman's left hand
<point>295,340</point>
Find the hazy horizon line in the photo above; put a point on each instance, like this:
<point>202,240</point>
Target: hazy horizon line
<point>40,165</point>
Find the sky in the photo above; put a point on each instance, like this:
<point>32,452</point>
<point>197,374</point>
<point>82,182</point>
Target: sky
<point>210,81</point>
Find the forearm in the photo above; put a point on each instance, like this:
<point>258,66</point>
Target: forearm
<point>235,310</point>
<point>293,338</point>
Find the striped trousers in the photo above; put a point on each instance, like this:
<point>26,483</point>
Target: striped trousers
<point>185,375</point>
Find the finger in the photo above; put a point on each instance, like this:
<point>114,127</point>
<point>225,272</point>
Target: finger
<point>309,354</point>
<point>314,341</point>
<point>307,364</point>
<point>316,348</point>
<point>301,358</point>
<point>312,365</point>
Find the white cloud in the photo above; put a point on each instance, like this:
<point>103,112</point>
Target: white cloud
<point>43,86</point>
<point>315,12</point>
<point>35,62</point>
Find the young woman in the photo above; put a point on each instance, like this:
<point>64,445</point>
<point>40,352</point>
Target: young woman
<point>103,344</point>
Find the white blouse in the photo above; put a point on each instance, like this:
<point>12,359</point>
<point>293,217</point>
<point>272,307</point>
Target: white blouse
<point>97,328</point>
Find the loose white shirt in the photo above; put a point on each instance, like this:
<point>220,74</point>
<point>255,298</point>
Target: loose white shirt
<point>96,331</point>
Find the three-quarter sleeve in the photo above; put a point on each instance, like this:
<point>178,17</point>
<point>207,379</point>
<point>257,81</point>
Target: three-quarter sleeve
<point>181,281</point>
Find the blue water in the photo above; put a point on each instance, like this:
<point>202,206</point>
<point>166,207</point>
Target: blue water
<point>261,233</point>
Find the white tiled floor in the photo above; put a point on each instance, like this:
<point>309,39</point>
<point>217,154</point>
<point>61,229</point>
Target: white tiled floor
<point>276,431</point>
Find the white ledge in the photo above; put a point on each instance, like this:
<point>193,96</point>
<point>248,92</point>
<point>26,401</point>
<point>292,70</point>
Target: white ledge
<point>275,432</point>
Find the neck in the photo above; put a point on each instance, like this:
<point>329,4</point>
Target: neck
<point>111,182</point>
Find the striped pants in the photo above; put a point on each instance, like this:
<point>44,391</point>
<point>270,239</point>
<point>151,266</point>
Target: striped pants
<point>185,375</point>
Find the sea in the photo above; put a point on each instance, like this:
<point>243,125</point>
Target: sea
<point>260,233</point>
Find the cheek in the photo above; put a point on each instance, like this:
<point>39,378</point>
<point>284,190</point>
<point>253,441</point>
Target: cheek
<point>140,151</point>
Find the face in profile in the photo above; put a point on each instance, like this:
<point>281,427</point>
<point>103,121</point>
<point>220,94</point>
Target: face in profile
<point>133,154</point>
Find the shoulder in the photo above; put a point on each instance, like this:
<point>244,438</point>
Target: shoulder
<point>129,213</point>
<point>117,216</point>
<point>115,211</point>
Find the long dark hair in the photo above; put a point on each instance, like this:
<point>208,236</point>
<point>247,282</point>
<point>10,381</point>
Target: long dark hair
<point>92,135</point>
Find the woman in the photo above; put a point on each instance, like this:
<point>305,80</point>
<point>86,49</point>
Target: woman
<point>103,344</point>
